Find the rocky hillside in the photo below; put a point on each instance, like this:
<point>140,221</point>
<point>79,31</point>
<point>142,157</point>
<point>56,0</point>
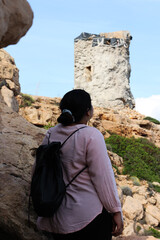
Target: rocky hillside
<point>43,111</point>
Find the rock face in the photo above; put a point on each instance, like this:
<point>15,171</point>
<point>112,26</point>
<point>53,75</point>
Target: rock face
<point>44,110</point>
<point>102,68</point>
<point>18,141</point>
<point>16,18</point>
<point>9,80</point>
<point>18,138</point>
<point>125,122</point>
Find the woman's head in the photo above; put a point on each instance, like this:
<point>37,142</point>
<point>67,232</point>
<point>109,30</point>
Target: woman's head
<point>74,106</point>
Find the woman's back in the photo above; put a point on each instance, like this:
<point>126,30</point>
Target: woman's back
<point>82,203</point>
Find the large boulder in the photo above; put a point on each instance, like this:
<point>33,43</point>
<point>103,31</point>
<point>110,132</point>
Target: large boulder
<point>133,209</point>
<point>16,18</point>
<point>18,139</point>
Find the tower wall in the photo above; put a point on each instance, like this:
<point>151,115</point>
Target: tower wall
<point>102,68</point>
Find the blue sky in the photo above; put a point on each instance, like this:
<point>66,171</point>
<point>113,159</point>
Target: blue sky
<point>45,56</point>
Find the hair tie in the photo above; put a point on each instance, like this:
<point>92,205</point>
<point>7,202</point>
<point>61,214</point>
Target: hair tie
<point>68,111</point>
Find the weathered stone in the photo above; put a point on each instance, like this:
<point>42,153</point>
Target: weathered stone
<point>133,209</point>
<point>44,111</point>
<point>153,211</point>
<point>157,197</point>
<point>156,184</point>
<point>140,198</point>
<point>129,229</point>
<point>152,200</point>
<point>9,80</point>
<point>116,160</point>
<point>104,70</point>
<point>142,190</point>
<point>16,18</point>
<point>9,98</point>
<point>150,220</point>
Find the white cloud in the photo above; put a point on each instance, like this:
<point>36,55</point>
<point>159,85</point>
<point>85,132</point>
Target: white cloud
<point>149,106</point>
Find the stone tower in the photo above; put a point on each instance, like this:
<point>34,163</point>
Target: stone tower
<point>102,68</point>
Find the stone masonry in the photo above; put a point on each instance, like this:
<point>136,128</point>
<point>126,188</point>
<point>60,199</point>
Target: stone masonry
<point>102,68</point>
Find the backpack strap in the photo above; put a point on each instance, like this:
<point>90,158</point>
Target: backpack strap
<point>62,146</point>
<point>82,168</point>
<point>76,176</point>
<point>72,134</point>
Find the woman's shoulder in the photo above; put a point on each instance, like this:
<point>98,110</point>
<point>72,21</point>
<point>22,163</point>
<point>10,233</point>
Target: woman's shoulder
<point>88,131</point>
<point>93,132</point>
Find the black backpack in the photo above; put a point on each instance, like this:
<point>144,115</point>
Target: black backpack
<point>47,185</point>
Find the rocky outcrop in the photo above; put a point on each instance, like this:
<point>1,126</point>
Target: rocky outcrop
<point>18,139</point>
<point>102,68</point>
<point>43,111</point>
<point>16,18</point>
<point>9,80</point>
<point>125,122</point>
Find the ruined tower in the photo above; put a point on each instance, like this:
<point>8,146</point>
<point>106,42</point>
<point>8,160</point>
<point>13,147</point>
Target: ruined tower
<point>102,68</point>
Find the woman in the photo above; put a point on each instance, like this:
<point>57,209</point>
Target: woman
<point>91,207</point>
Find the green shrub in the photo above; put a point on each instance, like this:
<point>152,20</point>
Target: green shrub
<point>109,147</point>
<point>48,126</point>
<point>138,228</point>
<point>153,232</point>
<point>27,100</point>
<point>141,157</point>
<point>156,188</point>
<point>126,190</point>
<point>135,181</point>
<point>152,120</point>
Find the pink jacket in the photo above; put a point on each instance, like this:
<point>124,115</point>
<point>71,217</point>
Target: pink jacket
<point>92,190</point>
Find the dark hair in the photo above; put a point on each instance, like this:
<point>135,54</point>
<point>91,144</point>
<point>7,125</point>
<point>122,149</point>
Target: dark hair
<point>78,102</point>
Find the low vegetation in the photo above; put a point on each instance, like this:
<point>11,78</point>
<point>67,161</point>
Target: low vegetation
<point>49,125</point>
<point>153,232</point>
<point>141,157</point>
<point>27,100</point>
<point>152,120</point>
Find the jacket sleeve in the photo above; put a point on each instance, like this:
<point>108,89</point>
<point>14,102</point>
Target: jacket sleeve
<point>101,173</point>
